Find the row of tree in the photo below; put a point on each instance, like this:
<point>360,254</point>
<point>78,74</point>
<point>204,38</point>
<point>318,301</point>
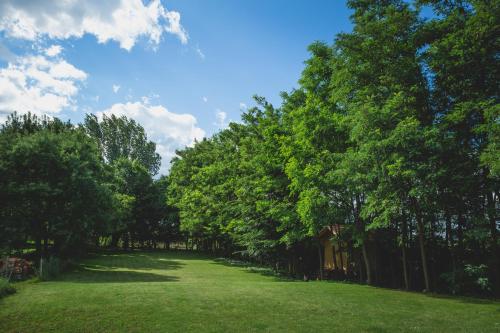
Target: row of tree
<point>64,187</point>
<point>393,133</point>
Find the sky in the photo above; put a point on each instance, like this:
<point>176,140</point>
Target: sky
<point>182,68</point>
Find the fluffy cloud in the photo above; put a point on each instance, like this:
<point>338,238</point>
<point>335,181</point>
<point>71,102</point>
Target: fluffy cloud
<point>123,21</point>
<point>53,50</point>
<point>169,130</point>
<point>220,118</point>
<point>175,27</point>
<point>38,84</point>
<point>116,87</point>
<point>243,106</point>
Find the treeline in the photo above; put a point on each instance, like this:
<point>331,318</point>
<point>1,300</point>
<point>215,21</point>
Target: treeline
<point>393,134</point>
<point>65,188</point>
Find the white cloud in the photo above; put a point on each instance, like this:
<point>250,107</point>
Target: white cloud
<point>204,99</point>
<point>53,51</point>
<point>220,118</point>
<point>38,84</point>
<point>123,21</point>
<point>199,52</point>
<point>169,130</point>
<point>175,27</point>
<point>243,106</point>
<point>116,87</point>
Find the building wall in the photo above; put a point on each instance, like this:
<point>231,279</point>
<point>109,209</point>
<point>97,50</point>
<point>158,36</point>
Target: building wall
<point>331,250</point>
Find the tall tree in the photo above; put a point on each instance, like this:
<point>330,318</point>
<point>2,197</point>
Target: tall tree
<point>121,137</point>
<point>53,181</point>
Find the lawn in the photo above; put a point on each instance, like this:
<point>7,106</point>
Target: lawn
<point>185,292</point>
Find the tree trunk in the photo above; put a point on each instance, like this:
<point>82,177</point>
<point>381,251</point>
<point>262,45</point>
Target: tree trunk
<point>360,268</point>
<point>448,232</point>
<point>320,261</point>
<point>367,263</point>
<point>361,230</point>
<point>460,236</point>
<point>404,234</point>
<point>421,240</point>
<point>492,215</point>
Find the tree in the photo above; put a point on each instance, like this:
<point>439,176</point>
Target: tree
<point>54,185</point>
<point>120,137</point>
<point>462,55</point>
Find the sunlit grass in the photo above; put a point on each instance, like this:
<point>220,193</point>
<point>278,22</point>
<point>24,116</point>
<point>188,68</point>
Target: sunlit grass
<point>184,292</point>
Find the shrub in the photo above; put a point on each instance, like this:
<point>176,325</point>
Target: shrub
<point>469,280</point>
<point>6,288</point>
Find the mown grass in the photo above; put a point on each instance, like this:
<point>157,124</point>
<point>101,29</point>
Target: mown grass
<point>185,292</point>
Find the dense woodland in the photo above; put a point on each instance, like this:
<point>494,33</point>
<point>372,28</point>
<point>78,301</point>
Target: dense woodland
<point>393,133</point>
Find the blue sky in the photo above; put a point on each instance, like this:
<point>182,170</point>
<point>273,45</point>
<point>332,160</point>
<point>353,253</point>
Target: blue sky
<point>199,62</point>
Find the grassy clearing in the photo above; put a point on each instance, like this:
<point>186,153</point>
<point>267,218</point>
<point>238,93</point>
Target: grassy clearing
<point>184,292</point>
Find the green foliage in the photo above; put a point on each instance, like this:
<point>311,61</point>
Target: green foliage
<point>391,136</point>
<point>478,274</point>
<point>52,184</point>
<point>471,279</point>
<point>232,187</point>
<point>58,192</point>
<point>392,133</point>
<point>120,137</point>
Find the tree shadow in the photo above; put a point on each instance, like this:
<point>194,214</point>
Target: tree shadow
<point>87,274</point>
<point>466,299</point>
<point>133,261</point>
<point>123,267</point>
<point>252,268</point>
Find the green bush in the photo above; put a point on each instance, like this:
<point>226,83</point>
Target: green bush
<point>6,288</point>
<point>469,280</point>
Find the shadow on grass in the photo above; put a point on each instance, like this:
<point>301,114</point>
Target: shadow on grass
<point>91,276</point>
<point>252,268</point>
<point>466,299</point>
<point>133,261</point>
<point>172,254</point>
<point>99,274</point>
<point>266,271</point>
<point>116,267</point>
<point>451,298</point>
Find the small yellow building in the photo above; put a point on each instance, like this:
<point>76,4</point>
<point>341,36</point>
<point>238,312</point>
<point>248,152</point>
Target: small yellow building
<point>335,252</point>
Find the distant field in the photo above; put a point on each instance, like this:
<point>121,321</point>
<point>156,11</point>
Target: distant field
<point>184,292</point>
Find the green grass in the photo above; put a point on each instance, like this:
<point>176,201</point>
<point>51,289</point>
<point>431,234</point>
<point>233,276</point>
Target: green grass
<point>184,292</point>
